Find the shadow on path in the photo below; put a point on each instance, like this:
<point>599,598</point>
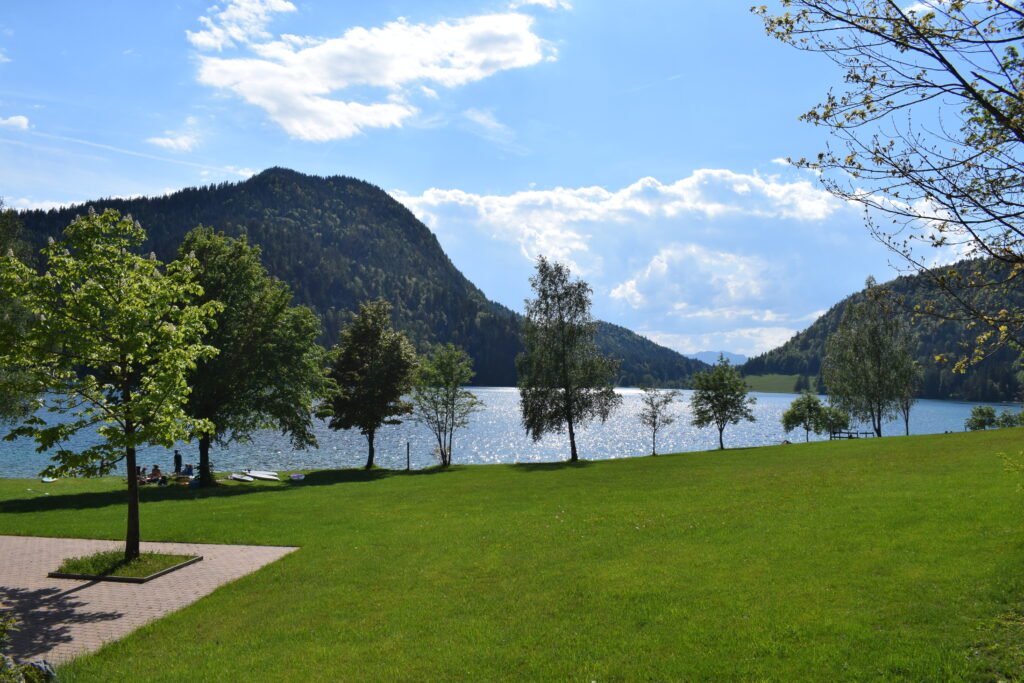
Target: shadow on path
<point>44,617</point>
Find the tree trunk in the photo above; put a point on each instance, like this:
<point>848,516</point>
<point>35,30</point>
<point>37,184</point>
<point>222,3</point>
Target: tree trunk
<point>572,443</point>
<point>654,441</point>
<point>131,540</point>
<point>807,436</point>
<point>205,475</point>
<point>369,441</point>
<point>721,441</point>
<point>906,423</point>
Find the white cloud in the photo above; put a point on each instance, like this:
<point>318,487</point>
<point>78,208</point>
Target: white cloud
<point>627,291</point>
<point>547,4</point>
<point>298,81</point>
<point>4,59</point>
<point>237,23</point>
<point>681,272</point>
<point>749,341</point>
<point>182,140</point>
<point>19,122</point>
<point>25,203</point>
<point>556,222</point>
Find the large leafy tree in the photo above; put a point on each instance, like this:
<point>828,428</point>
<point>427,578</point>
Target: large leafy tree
<point>656,412</point>
<point>372,370</point>
<point>564,382</point>
<point>269,370</point>
<point>439,397</point>
<point>111,340</point>
<point>18,399</point>
<point>929,128</point>
<point>868,366</point>
<point>720,398</point>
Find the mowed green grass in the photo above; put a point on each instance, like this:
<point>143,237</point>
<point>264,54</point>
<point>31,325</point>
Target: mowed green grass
<point>774,384</point>
<point>899,558</point>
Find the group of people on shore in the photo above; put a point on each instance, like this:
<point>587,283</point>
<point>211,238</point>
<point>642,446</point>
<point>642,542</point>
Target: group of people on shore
<point>157,476</point>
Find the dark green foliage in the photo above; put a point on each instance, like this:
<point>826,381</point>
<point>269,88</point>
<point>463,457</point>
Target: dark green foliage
<point>439,397</point>
<point>982,417</point>
<point>372,369</point>
<point>938,342</point>
<point>18,400</point>
<point>833,420</point>
<point>1008,419</point>
<point>564,381</point>
<point>720,398</point>
<point>804,412</point>
<point>868,364</point>
<point>269,369</point>
<point>339,241</point>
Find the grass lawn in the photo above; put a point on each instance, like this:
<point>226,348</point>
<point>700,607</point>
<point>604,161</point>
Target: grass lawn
<point>112,563</point>
<point>899,558</point>
<point>774,384</point>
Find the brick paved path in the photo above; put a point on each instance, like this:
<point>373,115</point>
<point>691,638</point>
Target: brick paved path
<point>61,618</point>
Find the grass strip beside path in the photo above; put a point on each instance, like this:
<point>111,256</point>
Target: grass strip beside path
<point>112,563</point>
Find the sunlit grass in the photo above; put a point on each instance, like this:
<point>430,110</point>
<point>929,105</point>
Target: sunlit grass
<point>877,559</point>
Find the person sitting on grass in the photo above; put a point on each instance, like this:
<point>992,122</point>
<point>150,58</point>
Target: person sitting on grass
<point>156,476</point>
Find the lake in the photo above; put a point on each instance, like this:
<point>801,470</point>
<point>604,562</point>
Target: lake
<point>496,436</point>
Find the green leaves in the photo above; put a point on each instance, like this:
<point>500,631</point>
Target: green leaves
<point>110,339</point>
<point>371,369</point>
<point>564,382</point>
<point>438,398</point>
<point>720,398</point>
<point>269,369</point>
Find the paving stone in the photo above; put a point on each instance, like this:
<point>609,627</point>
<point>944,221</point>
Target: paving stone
<point>62,618</point>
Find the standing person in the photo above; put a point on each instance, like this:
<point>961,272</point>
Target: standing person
<point>177,462</point>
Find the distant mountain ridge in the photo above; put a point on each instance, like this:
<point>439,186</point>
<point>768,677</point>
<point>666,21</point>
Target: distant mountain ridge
<point>338,241</point>
<point>711,357</point>
<point>994,379</point>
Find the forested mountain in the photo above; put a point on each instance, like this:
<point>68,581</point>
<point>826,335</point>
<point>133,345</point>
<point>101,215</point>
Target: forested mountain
<point>338,241</point>
<point>994,379</point>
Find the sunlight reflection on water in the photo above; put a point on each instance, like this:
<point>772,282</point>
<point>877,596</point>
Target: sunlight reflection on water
<point>496,436</point>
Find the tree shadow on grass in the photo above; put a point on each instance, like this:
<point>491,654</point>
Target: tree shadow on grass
<point>151,494</point>
<point>45,617</point>
<point>551,466</point>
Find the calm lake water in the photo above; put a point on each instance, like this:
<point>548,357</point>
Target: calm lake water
<point>496,436</point>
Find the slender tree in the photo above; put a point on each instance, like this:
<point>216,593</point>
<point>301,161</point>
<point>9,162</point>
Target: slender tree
<point>112,339</point>
<point>564,382</point>
<point>372,369</point>
<point>868,364</point>
<point>269,370</point>
<point>720,398</point>
<point>805,412</point>
<point>655,412</point>
<point>910,383</point>
<point>930,138</point>
<point>439,397</point>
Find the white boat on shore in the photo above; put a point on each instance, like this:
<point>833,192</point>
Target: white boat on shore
<point>263,475</point>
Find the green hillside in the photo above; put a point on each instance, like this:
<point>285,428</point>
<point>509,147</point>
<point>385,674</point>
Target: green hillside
<point>884,559</point>
<point>992,380</point>
<point>338,241</point>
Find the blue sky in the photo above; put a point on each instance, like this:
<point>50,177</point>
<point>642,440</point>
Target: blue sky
<point>641,142</point>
